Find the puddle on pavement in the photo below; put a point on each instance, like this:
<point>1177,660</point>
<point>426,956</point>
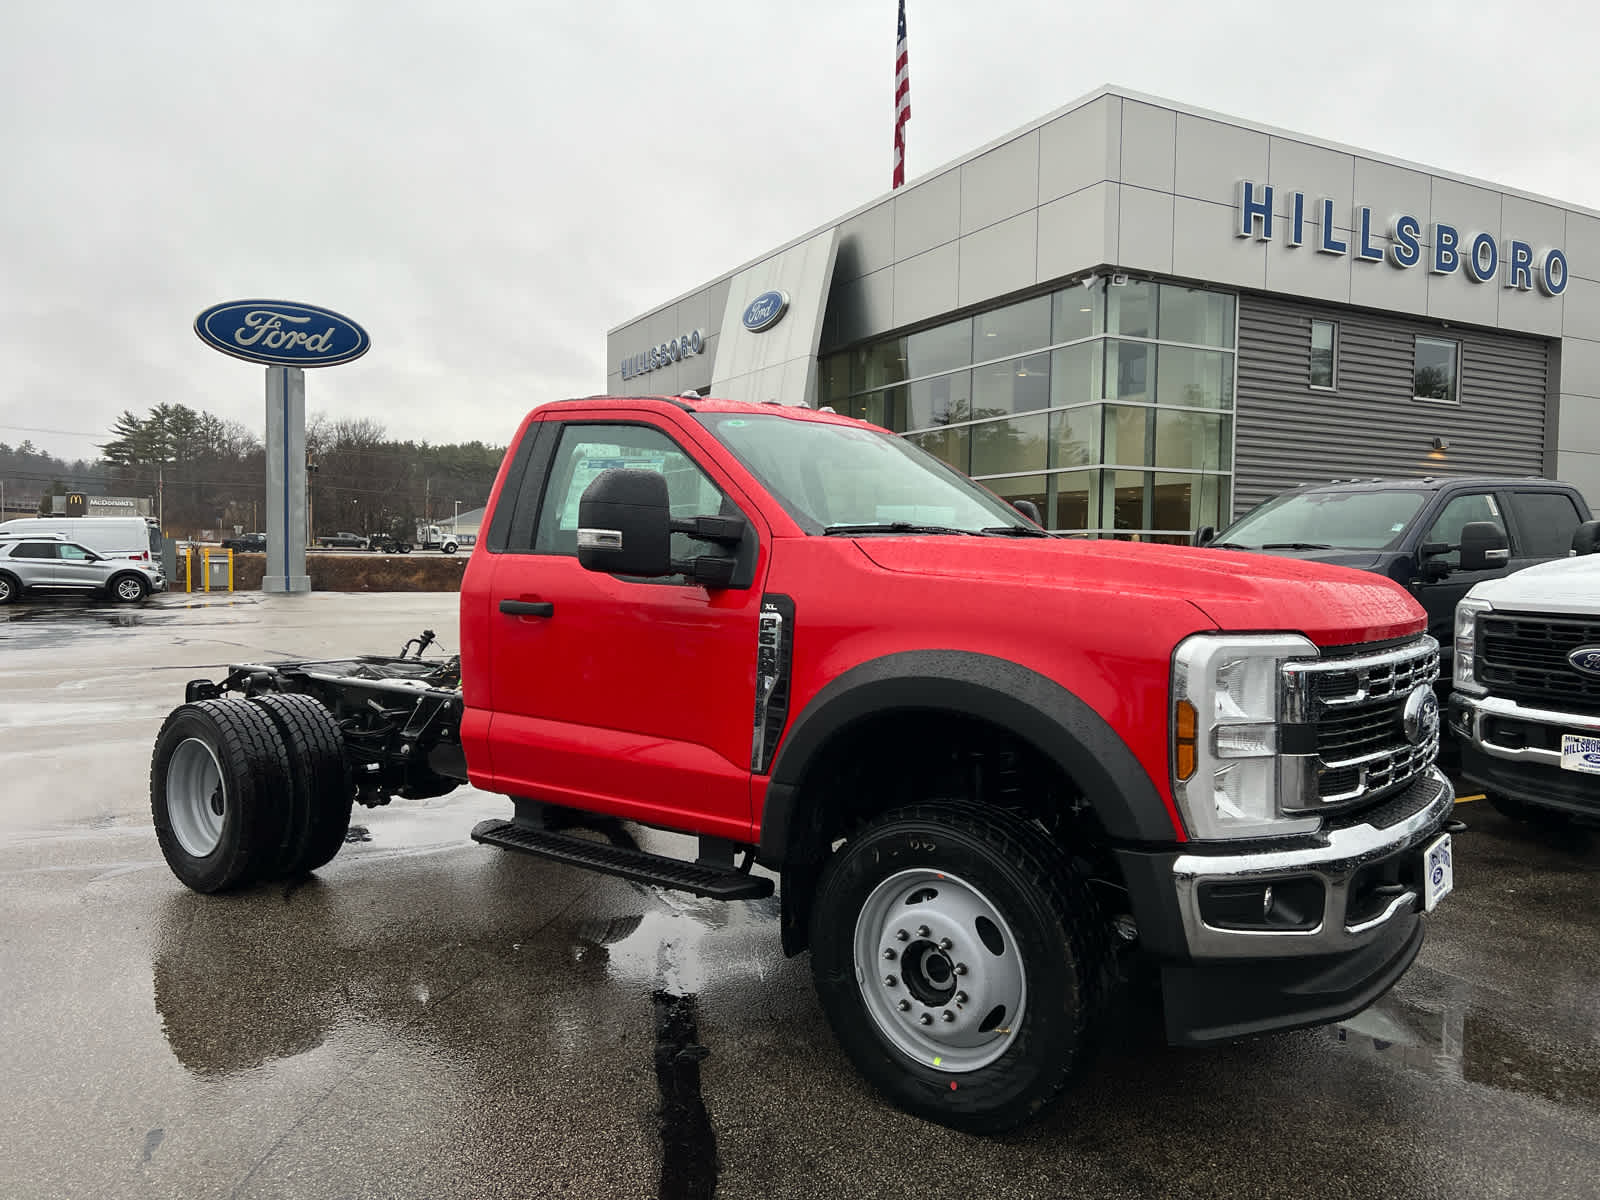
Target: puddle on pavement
<point>1453,1038</point>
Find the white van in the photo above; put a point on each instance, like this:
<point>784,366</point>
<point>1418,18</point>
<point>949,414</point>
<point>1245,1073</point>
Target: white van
<point>138,538</point>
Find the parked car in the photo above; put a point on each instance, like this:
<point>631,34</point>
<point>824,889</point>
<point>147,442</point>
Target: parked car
<point>48,564</point>
<point>1526,709</point>
<point>1411,530</point>
<point>246,543</point>
<point>136,538</point>
<point>342,540</point>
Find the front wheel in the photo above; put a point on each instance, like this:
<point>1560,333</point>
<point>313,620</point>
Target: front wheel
<point>961,960</point>
<point>448,547</point>
<point>8,588</point>
<point>128,589</point>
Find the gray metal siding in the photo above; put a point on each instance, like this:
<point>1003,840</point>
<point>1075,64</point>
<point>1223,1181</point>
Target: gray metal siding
<point>1288,433</point>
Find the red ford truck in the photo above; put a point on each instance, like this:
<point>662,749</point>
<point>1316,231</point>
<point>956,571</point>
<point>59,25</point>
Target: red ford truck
<point>989,769</point>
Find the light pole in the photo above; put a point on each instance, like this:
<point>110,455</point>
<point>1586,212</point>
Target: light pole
<point>455,518</point>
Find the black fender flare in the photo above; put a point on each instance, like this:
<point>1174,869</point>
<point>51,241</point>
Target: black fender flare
<point>1042,712</point>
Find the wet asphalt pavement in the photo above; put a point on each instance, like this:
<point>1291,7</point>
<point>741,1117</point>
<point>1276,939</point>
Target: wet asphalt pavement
<point>428,1017</point>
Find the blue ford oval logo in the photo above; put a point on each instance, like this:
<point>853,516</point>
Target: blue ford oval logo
<point>1586,659</point>
<point>765,311</point>
<point>282,334</point>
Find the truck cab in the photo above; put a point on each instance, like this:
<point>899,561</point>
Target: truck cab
<point>1411,531</point>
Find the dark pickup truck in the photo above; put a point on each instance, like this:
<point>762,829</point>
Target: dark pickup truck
<point>1426,534</point>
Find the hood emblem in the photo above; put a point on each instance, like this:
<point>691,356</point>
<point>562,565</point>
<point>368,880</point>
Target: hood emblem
<point>1585,659</point>
<point>1421,718</point>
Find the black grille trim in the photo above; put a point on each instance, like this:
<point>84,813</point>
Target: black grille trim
<point>1523,657</point>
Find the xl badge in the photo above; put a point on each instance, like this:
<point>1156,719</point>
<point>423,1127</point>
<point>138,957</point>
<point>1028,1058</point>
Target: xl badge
<point>1586,659</point>
<point>1422,716</point>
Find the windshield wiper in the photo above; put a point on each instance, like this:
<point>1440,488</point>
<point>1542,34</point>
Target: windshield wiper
<point>1013,531</point>
<point>1229,546</point>
<point>895,527</point>
<point>1295,546</point>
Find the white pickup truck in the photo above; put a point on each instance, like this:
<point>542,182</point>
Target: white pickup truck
<point>1526,707</point>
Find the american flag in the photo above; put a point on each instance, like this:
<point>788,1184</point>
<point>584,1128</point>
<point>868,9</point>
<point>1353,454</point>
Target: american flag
<point>902,100</point>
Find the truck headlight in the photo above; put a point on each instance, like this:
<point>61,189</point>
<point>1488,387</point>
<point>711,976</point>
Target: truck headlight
<point>1232,776</point>
<point>1465,674</point>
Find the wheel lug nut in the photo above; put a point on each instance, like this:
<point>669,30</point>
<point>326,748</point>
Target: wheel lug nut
<point>947,1016</point>
<point>922,931</point>
<point>961,968</point>
<point>889,981</point>
<point>888,954</point>
<point>900,935</point>
<point>960,997</point>
<point>945,943</point>
<point>903,1005</point>
<point>925,1019</point>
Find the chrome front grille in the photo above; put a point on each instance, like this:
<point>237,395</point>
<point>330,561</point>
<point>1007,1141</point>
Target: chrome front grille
<point>1355,708</point>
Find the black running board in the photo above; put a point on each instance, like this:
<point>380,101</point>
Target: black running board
<point>718,883</point>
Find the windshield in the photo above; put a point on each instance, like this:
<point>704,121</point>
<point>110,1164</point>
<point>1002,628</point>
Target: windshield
<point>846,478</point>
<point>1364,520</point>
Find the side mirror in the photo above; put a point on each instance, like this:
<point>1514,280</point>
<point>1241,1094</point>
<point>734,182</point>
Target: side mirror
<point>1205,535</point>
<point>625,524</point>
<point>1586,538</point>
<point>1483,546</point>
<point>1030,510</point>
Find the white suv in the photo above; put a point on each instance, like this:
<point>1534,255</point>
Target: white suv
<point>51,565</point>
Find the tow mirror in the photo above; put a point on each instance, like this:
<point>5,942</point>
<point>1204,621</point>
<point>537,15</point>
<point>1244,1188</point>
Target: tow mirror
<point>625,524</point>
<point>1205,535</point>
<point>1483,546</point>
<point>1586,538</point>
<point>1030,510</point>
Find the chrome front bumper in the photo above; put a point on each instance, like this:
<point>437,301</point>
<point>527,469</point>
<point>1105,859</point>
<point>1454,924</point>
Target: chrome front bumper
<point>1468,715</point>
<point>1344,853</point>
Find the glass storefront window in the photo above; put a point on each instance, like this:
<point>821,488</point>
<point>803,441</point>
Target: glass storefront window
<point>1075,507</point>
<point>1075,313</point>
<point>1126,433</point>
<point>1075,437</point>
<point>1075,374</point>
<point>1191,315</point>
<point>940,401</point>
<point>877,365</point>
<point>1195,378</point>
<point>1019,385</point>
<point>1131,310</point>
<point>833,380</point>
<point>1172,501</point>
<point>1006,447</point>
<point>953,446</point>
<point>1130,367</point>
<point>885,408</point>
<point>1123,493</point>
<point>1012,330</point>
<point>1190,439</point>
<point>942,348</point>
<point>1022,487</point>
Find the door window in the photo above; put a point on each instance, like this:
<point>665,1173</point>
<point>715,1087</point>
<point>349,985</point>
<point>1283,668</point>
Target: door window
<point>1460,512</point>
<point>35,550</point>
<point>70,553</point>
<point>586,450</point>
<point>1545,523</point>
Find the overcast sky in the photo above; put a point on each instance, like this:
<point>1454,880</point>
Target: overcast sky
<point>488,187</point>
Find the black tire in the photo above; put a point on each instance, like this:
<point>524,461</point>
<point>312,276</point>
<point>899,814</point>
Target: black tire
<point>127,588</point>
<point>1531,814</point>
<point>405,547</point>
<point>322,789</point>
<point>448,548</point>
<point>1057,930</point>
<point>10,589</point>
<point>234,748</point>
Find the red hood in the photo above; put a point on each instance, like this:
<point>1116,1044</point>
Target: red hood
<point>1332,606</point>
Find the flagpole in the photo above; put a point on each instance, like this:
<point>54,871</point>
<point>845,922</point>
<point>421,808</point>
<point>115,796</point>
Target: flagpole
<point>902,99</point>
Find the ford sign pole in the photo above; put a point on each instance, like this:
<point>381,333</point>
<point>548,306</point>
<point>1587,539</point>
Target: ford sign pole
<point>286,337</point>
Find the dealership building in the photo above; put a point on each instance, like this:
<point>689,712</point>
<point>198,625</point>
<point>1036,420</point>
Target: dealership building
<point>1146,318</point>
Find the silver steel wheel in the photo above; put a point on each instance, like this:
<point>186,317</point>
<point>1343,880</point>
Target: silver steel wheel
<point>939,970</point>
<point>196,797</point>
<point>129,589</point>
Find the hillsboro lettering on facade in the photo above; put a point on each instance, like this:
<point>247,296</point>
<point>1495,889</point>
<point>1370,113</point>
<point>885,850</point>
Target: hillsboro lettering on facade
<point>664,355</point>
<point>1448,249</point>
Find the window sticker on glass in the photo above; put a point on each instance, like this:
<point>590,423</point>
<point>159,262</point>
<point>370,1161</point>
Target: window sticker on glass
<point>588,470</point>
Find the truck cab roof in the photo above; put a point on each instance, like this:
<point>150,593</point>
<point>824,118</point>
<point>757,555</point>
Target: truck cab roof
<point>1432,483</point>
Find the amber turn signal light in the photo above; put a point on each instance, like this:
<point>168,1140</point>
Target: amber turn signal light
<point>1184,724</point>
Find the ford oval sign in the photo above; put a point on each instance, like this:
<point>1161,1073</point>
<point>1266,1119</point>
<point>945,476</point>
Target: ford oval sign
<point>1586,659</point>
<point>765,311</point>
<point>282,334</point>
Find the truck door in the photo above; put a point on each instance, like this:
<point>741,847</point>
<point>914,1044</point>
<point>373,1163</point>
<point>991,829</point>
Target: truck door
<point>1439,596</point>
<point>1542,525</point>
<point>633,697</point>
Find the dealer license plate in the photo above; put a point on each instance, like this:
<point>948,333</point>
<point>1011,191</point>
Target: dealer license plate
<point>1438,873</point>
<point>1580,753</point>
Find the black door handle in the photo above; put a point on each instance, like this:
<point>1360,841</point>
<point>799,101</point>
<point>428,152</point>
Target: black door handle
<point>528,608</point>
